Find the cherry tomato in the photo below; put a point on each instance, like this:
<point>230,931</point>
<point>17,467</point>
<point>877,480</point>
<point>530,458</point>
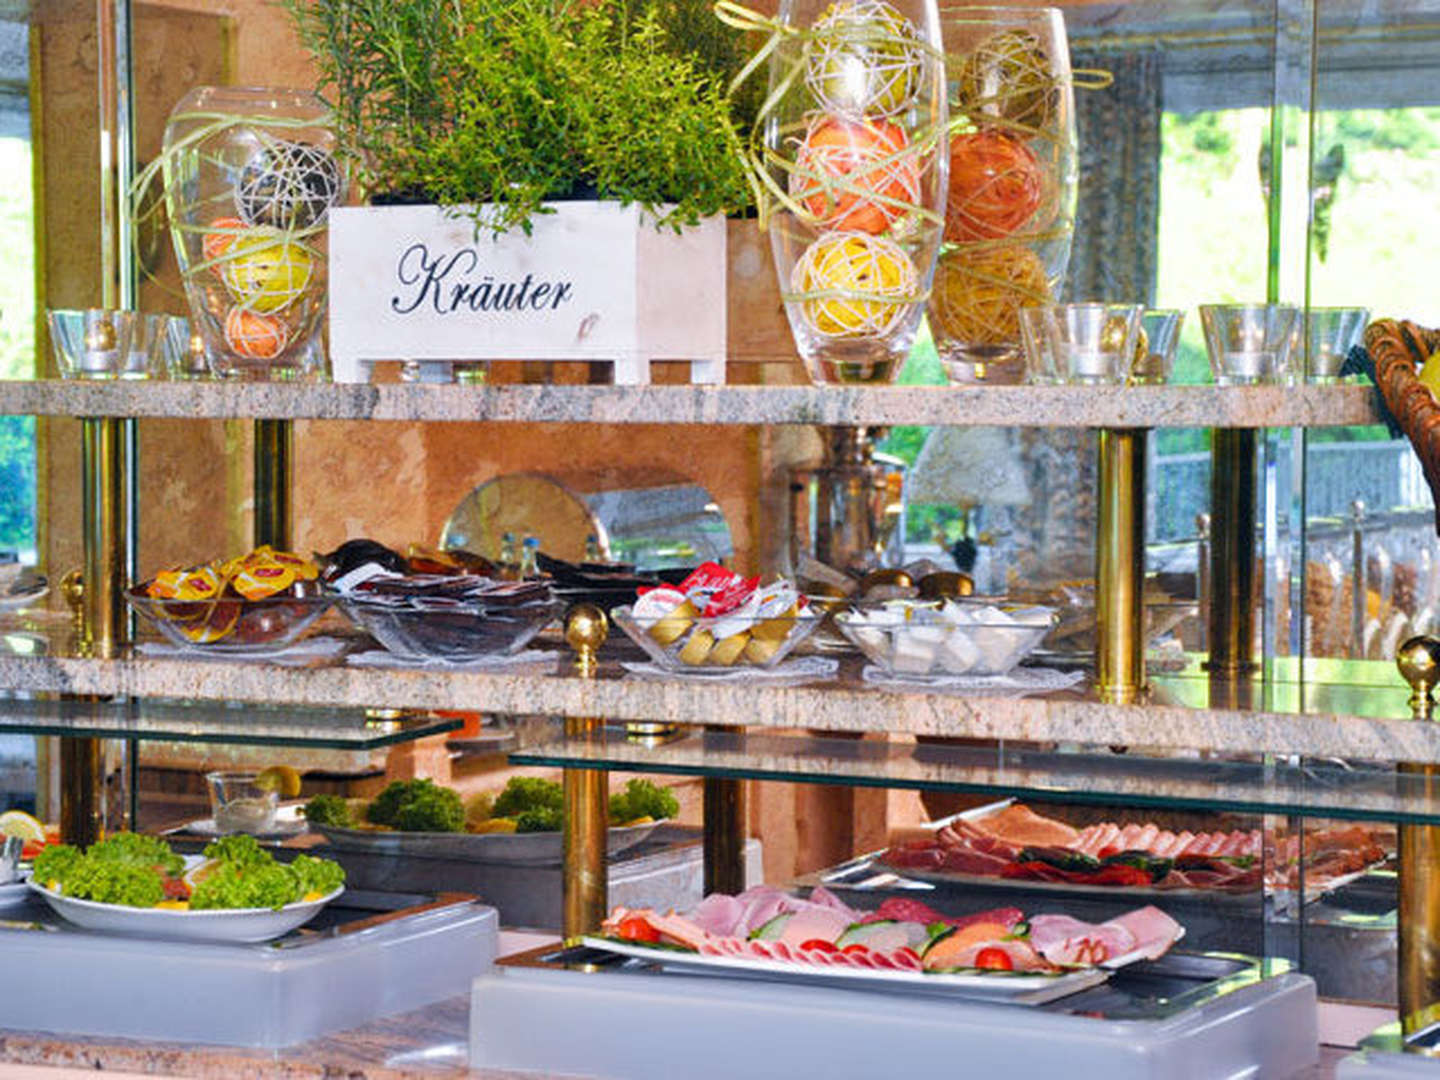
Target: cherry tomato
<point>993,959</point>
<point>638,929</point>
<point>818,945</point>
<point>31,849</point>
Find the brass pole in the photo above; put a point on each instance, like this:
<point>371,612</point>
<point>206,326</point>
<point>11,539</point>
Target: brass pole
<point>1418,850</point>
<point>724,835</point>
<point>1231,632</point>
<point>274,440</point>
<point>1120,566</point>
<point>585,889</point>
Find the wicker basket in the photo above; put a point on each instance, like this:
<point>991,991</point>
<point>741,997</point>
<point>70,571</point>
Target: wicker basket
<point>1398,349</point>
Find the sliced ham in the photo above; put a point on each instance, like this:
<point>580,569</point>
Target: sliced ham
<point>1018,824</point>
<point>904,909</point>
<point>1179,844</point>
<point>1070,942</point>
<point>721,915</point>
<point>815,923</point>
<point>1145,838</point>
<point>1154,931</point>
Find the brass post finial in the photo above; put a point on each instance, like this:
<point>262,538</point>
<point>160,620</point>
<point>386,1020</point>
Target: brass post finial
<point>1419,662</point>
<point>586,629</point>
<point>72,590</point>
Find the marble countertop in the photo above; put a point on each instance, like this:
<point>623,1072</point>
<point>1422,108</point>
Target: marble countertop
<point>1049,406</point>
<point>1182,713</point>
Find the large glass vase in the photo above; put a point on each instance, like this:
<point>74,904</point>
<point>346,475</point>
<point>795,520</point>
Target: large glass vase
<point>250,176</point>
<point>854,168</point>
<point>1010,211</point>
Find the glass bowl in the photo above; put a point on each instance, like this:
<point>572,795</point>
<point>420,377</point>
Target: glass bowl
<point>459,630</point>
<point>952,638</point>
<point>747,641</point>
<point>230,624</point>
<point>237,805</point>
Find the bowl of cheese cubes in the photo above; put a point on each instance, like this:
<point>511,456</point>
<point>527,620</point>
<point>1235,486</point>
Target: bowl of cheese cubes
<point>923,638</point>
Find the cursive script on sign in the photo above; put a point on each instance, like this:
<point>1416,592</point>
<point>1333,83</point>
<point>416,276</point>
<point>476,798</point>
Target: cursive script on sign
<point>454,282</point>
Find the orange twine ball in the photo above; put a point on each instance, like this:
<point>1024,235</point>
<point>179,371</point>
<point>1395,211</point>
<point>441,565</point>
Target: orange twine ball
<point>255,336</point>
<point>977,295</point>
<point>216,244</point>
<point>996,185</point>
<point>855,175</point>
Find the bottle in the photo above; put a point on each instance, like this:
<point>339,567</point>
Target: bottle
<point>530,558</point>
<point>509,560</point>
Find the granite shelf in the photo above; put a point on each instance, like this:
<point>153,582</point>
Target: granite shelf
<point>1352,720</point>
<point>1054,406</point>
<point>1324,789</point>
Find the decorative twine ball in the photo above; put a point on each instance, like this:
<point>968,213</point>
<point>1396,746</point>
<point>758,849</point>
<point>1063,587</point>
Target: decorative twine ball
<point>855,175</point>
<point>257,337</point>
<point>289,185</point>
<point>977,295</point>
<point>265,274</point>
<point>853,285</point>
<point>863,56</point>
<point>996,185</point>
<point>223,233</point>
<point>1009,78</point>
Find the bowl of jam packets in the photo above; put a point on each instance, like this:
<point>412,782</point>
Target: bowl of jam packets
<point>256,603</point>
<point>434,605</point>
<point>716,620</point>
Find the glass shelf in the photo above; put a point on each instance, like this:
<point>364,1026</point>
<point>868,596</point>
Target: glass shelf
<point>215,722</point>
<point>1060,406</point>
<point>1310,788</point>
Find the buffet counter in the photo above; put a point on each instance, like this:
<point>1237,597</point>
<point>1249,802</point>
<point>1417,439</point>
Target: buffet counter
<point>428,1044</point>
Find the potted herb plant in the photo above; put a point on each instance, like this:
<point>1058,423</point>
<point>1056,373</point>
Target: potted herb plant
<point>546,180</point>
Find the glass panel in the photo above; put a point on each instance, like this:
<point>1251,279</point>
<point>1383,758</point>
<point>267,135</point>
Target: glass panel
<point>1332,789</point>
<point>212,722</point>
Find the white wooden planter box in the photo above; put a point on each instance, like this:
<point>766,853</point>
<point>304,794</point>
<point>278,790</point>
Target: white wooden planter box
<point>595,281</point>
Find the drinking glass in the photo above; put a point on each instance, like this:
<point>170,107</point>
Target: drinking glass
<point>1249,343</point>
<point>1158,342</point>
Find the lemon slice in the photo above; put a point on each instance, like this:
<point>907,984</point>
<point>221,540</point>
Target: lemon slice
<point>198,873</point>
<point>18,823</point>
<point>281,779</point>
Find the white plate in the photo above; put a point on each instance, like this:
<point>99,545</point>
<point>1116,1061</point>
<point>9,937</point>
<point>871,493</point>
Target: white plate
<point>510,849</point>
<point>996,985</point>
<point>288,822</point>
<point>241,925</point>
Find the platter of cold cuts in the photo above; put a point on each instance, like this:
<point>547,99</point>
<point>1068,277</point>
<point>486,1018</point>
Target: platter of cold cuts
<point>1009,844</point>
<point>904,945</point>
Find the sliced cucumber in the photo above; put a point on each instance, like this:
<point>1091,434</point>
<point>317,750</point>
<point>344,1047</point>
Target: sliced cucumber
<point>771,930</point>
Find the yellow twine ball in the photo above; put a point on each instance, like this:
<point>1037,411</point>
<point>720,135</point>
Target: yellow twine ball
<point>266,274</point>
<point>978,294</point>
<point>854,285</point>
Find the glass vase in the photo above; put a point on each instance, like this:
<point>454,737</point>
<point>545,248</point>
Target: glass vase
<point>250,176</point>
<point>854,168</point>
<point>1010,208</point>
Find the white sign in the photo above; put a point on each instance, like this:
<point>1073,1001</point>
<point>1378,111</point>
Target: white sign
<point>595,281</point>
